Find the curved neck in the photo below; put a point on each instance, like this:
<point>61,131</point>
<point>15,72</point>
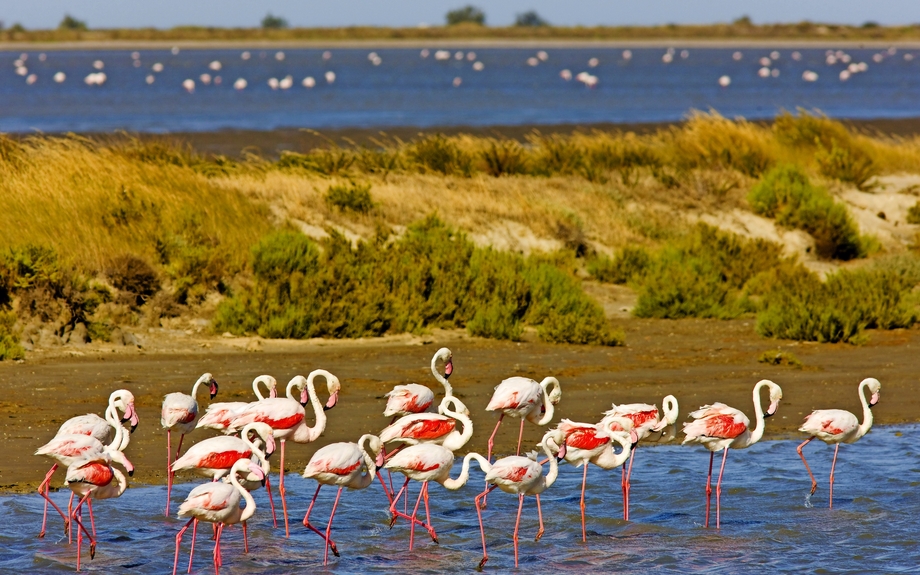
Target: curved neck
<point>867,411</point>
<point>369,460</point>
<point>201,380</point>
<point>467,433</point>
<point>448,390</point>
<point>290,388</point>
<point>259,453</point>
<point>314,432</point>
<point>120,442</point>
<point>547,404</point>
<point>454,484</point>
<point>255,386</point>
<point>250,504</point>
<point>759,424</point>
<point>550,477</point>
<point>608,459</point>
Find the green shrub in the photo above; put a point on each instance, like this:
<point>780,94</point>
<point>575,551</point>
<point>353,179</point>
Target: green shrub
<point>9,338</point>
<point>786,194</point>
<point>847,163</point>
<point>556,155</point>
<point>808,130</point>
<point>630,263</point>
<point>440,154</point>
<point>779,357</point>
<point>350,197</point>
<point>913,214</point>
<point>326,161</point>
<point>134,277</point>
<point>194,259</point>
<point>504,157</point>
<point>433,276</point>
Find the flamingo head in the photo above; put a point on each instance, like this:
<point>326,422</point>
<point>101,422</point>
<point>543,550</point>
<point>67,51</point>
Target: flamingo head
<point>333,385</point>
<point>776,394</point>
<point>264,433</point>
<point>447,357</point>
<point>212,387</point>
<point>124,400</point>
<point>560,455</point>
<point>875,386</point>
<point>381,458</point>
<point>256,470</point>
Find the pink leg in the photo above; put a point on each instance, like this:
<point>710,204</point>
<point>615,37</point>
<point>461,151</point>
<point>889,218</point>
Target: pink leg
<point>191,554</point>
<point>540,517</point>
<point>178,542</point>
<point>271,502</point>
<point>168,469</point>
<point>584,484</point>
<point>485,491</point>
<point>632,457</point>
<point>386,491</point>
<point>482,531</point>
<point>712,454</point>
<point>414,517</point>
<point>217,558</point>
<point>517,526</point>
<point>393,512</point>
<point>329,527</point>
<point>306,522</point>
<point>833,465</point>
<point>281,491</point>
<point>719,490</point>
<point>814,484</point>
<point>70,523</point>
<point>245,539</point>
<point>520,437</point>
<point>434,536</point>
<point>92,520</point>
<point>623,487</point>
<point>76,517</point>
<point>43,490</point>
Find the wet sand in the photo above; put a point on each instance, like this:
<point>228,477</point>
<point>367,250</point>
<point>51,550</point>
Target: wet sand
<point>699,361</point>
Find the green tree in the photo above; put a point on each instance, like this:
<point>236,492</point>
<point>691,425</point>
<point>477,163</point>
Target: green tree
<point>530,18</point>
<point>71,23</point>
<point>272,22</point>
<point>469,14</point>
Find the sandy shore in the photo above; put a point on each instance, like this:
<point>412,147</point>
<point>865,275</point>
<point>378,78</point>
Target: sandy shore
<point>699,361</point>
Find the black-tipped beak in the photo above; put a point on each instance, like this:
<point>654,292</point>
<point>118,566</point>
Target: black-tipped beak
<point>131,473</point>
<point>871,405</point>
<point>327,407</point>
<point>263,482</point>
<point>304,403</point>
<point>133,427</point>
<point>214,388</point>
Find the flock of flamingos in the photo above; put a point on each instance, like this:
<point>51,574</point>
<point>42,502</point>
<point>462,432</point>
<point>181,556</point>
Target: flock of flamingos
<point>418,443</point>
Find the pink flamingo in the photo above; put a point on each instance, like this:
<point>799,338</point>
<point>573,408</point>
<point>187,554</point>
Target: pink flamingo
<point>218,503</point>
<point>83,477</point>
<point>342,464</point>
<point>67,449</point>
<point>287,418</point>
<point>645,420</point>
<point>593,443</point>
<point>521,476</point>
<point>718,427</point>
<point>427,462</point>
<point>414,398</point>
<point>838,426</point>
<point>524,398</point>
<point>219,415</point>
<point>178,414</point>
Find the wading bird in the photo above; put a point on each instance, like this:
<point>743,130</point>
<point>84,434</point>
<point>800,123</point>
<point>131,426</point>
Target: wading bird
<point>718,427</point>
<point>524,398</point>
<point>838,426</point>
<point>219,415</point>
<point>83,478</point>
<point>178,414</point>
<point>414,398</point>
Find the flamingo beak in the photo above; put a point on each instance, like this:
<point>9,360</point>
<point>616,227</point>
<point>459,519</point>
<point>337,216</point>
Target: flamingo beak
<point>214,387</point>
<point>448,368</point>
<point>273,393</point>
<point>771,411</point>
<point>270,446</point>
<point>633,439</point>
<point>304,397</point>
<point>130,473</point>
<point>874,399</point>
<point>131,415</point>
<point>562,451</point>
<point>381,459</point>
<point>333,399</point>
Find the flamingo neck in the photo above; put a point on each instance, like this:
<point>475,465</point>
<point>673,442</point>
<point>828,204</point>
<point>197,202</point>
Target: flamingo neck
<point>250,503</point>
<point>460,481</point>
<point>608,459</point>
<point>121,439</point>
<point>547,404</point>
<point>448,390</point>
<point>312,433</point>
<point>867,412</point>
<point>289,392</point>
<point>201,380</point>
<point>263,379</point>
<point>550,477</point>
<point>369,460</point>
<point>760,424</point>
<point>456,441</point>
<point>259,452</point>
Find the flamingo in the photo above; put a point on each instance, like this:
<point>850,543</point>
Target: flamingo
<point>178,414</point>
<point>521,476</point>
<point>520,397</point>
<point>104,429</point>
<point>219,415</point>
<point>427,462</point>
<point>593,443</point>
<point>83,477</point>
<point>718,427</point>
<point>214,457</point>
<point>287,418</point>
<point>66,449</point>
<point>218,503</point>
<point>414,398</point>
<point>342,464</point>
<point>838,426</point>
<point>645,421</point>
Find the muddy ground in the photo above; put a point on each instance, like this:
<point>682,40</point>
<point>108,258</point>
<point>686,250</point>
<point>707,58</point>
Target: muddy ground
<point>699,361</point>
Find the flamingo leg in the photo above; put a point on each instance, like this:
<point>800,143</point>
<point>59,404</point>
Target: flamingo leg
<point>191,554</point>
<point>43,490</point>
<point>540,517</point>
<point>281,492</point>
<point>814,484</point>
<point>386,491</point>
<point>632,457</point>
<point>712,454</point>
<point>434,536</point>
<point>77,516</point>
<point>178,542</point>
<point>482,531</point>
<point>623,487</point>
<point>520,437</point>
<point>719,490</point>
<point>395,514</point>
<point>271,501</point>
<point>70,523</point>
<point>584,483</point>
<point>245,538</point>
<point>217,557</point>
<point>414,517</point>
<point>168,470</point>
<point>329,527</point>
<point>833,465</point>
<point>485,491</point>
<point>517,526</point>
<point>92,520</point>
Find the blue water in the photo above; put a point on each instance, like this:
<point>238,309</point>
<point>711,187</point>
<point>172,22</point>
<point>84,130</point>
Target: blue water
<point>766,524</point>
<point>407,90</point>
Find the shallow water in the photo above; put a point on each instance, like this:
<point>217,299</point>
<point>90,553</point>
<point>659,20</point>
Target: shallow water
<point>766,524</point>
<point>406,90</point>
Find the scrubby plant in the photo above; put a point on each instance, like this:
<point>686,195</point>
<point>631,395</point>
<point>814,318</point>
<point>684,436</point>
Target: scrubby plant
<point>807,130</point>
<point>629,264</point>
<point>440,154</point>
<point>134,277</point>
<point>503,157</point>
<point>351,196</point>
<point>780,357</point>
<point>9,338</point>
<point>787,195</point>
<point>913,214</point>
<point>194,259</point>
<point>711,141</point>
<point>847,163</point>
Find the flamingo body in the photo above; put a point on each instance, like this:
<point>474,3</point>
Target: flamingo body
<point>220,415</point>
<point>408,399</point>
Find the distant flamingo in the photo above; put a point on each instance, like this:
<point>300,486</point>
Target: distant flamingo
<point>342,464</point>
<point>645,421</point>
<point>428,462</point>
<point>838,426</point>
<point>414,398</point>
<point>83,477</point>
<point>521,476</point>
<point>286,417</point>
<point>593,443</point>
<point>718,427</point>
<point>178,414</point>
<point>218,503</point>
<point>219,415</point>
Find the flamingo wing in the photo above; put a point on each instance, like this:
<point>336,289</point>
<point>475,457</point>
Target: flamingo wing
<point>89,424</point>
<point>219,416</point>
<point>93,472</point>
<point>213,453</point>
<point>409,398</point>
<point>716,421</point>
<point>515,393</point>
<point>336,459</point>
<point>279,413</point>
<point>582,435</point>
<point>830,423</point>
<point>514,471</point>
<point>422,460</point>
<point>178,408</point>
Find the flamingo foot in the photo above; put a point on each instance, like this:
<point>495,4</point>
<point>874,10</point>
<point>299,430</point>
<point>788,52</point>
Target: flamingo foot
<point>814,487</point>
<point>334,549</point>
<point>393,520</point>
<point>539,535</point>
<point>482,563</point>
<point>92,550</point>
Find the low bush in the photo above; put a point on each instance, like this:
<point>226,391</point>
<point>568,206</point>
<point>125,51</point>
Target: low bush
<point>711,141</point>
<point>786,194</point>
<point>628,265</point>
<point>848,163</point>
<point>503,158</point>
<point>9,338</point>
<point>779,357</point>
<point>433,276</point>
<point>440,154</point>
<point>134,277</point>
<point>807,130</point>
<point>194,259</point>
<point>913,214</point>
<point>351,196</point>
